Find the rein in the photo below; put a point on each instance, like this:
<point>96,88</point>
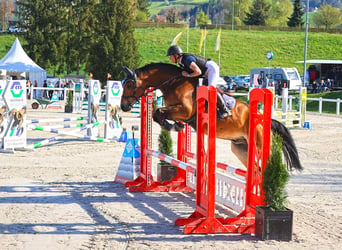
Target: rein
<point>171,80</point>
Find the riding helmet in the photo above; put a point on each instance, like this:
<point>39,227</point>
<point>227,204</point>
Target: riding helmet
<point>174,49</point>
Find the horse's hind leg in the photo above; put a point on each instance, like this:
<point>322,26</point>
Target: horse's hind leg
<point>240,149</point>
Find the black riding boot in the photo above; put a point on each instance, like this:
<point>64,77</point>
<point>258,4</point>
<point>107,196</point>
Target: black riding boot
<point>224,111</point>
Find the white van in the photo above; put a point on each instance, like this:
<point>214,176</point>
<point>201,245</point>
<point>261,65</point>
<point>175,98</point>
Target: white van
<point>278,77</point>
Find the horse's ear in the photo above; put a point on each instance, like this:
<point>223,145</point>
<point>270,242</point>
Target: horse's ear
<point>129,72</point>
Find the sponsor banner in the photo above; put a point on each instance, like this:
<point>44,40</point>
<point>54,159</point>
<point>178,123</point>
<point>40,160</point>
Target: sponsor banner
<point>113,128</point>
<point>3,112</point>
<point>15,98</point>
<point>94,104</point>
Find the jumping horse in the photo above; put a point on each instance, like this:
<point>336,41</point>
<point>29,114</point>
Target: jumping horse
<point>179,95</point>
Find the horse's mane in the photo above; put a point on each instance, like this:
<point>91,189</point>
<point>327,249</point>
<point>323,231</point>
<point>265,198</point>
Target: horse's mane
<point>161,66</point>
<point>167,69</point>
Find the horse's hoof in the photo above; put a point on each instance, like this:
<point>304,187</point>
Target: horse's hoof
<point>178,127</point>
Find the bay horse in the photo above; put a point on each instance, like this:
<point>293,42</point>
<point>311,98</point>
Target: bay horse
<point>179,95</point>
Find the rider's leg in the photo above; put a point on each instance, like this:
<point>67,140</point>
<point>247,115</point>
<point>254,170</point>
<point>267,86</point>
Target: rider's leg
<point>212,74</point>
<point>222,107</point>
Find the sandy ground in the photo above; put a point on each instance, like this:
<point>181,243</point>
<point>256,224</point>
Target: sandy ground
<point>62,196</point>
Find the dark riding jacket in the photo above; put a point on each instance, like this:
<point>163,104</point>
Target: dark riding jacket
<point>187,59</point>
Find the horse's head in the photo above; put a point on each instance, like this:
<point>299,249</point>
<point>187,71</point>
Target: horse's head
<point>137,81</point>
<point>131,93</point>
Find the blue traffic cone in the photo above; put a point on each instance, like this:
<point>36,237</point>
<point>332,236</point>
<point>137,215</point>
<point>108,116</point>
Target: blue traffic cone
<point>129,168</point>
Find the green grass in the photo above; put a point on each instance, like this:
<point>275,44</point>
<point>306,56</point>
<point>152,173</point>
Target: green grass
<point>5,44</point>
<point>327,107</point>
<point>240,50</point>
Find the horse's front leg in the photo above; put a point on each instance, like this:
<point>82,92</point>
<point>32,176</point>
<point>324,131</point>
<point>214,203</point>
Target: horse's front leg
<point>162,115</point>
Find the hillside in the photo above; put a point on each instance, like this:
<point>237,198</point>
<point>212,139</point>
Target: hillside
<point>240,50</point>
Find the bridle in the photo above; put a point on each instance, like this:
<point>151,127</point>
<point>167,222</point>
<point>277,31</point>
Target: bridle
<point>133,81</point>
<point>127,83</point>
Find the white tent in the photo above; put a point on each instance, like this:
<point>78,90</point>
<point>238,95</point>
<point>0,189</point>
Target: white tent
<point>16,61</point>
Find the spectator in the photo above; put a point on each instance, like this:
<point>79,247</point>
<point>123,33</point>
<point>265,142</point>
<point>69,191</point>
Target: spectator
<point>59,85</point>
<point>322,86</point>
<point>328,84</point>
<point>50,85</point>
<point>45,93</point>
<point>35,90</point>
<point>28,88</point>
<point>314,86</point>
<point>259,80</point>
<point>314,73</point>
<point>265,82</point>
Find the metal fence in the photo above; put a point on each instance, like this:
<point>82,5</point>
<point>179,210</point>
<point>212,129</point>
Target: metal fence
<point>39,92</point>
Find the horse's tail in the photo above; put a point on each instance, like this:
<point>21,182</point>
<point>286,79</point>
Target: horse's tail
<point>289,147</point>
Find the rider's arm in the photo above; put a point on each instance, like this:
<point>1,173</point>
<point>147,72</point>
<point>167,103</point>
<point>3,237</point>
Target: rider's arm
<point>196,69</point>
<point>190,62</point>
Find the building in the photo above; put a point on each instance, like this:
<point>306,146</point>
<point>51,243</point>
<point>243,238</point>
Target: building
<point>331,69</point>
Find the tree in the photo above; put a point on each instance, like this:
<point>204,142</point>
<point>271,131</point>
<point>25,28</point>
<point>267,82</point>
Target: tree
<point>296,19</point>
<point>275,177</point>
<point>216,11</point>
<point>327,16</point>
<point>43,25</point>
<point>142,10</point>
<point>241,7</point>
<point>57,40</point>
<point>78,32</point>
<point>6,13</point>
<point>279,13</point>
<point>172,15</point>
<point>113,44</point>
<point>258,14</point>
<point>202,18</point>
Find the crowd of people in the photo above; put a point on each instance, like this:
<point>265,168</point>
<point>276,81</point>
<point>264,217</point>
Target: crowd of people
<point>316,83</point>
<point>49,88</point>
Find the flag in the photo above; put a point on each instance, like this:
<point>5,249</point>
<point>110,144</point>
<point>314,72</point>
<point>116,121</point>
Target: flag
<point>108,76</point>
<point>203,37</point>
<point>90,75</point>
<point>218,41</point>
<point>175,40</point>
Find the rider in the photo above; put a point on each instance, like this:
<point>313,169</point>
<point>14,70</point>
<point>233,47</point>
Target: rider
<point>196,66</point>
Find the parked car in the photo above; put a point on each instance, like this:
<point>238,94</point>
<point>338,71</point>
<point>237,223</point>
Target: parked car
<point>221,84</point>
<point>241,82</point>
<point>248,80</point>
<point>13,29</point>
<point>229,86</point>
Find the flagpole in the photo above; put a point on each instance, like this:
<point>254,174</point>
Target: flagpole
<point>205,39</point>
<point>219,59</point>
<point>187,37</point>
<point>217,46</point>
